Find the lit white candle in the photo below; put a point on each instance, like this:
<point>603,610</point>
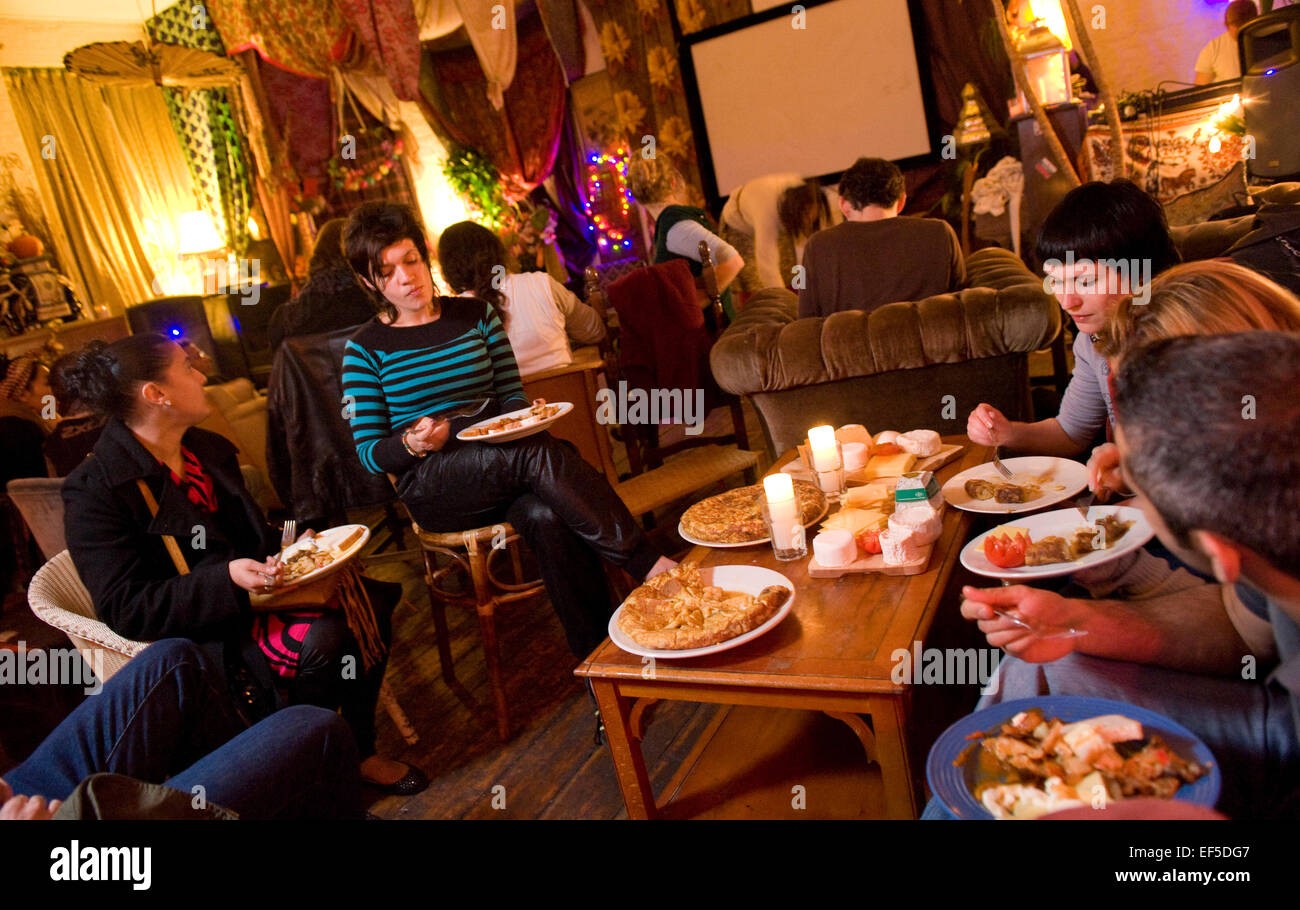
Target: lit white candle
<point>781,506</point>
<point>825,453</point>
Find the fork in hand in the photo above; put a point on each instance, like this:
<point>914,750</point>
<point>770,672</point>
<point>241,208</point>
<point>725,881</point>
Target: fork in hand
<point>287,536</point>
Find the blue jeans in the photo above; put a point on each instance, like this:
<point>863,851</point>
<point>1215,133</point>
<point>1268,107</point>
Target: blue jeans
<point>160,720</point>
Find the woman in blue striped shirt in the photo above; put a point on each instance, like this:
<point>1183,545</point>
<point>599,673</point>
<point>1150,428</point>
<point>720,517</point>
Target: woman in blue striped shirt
<point>424,354</point>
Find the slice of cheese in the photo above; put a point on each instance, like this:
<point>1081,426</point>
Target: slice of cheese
<point>889,465</point>
<point>876,495</point>
<point>1008,531</point>
<point>855,520</point>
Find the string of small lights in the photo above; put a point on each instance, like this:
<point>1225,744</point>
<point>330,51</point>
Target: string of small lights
<point>610,237</point>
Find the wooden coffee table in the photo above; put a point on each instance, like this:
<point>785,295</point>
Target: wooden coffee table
<point>831,654</point>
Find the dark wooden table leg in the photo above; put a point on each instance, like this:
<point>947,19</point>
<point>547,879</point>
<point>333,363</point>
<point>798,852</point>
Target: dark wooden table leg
<point>629,763</point>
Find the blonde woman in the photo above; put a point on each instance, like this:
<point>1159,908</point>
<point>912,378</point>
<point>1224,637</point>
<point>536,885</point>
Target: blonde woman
<point>678,228</point>
<point>1209,297</point>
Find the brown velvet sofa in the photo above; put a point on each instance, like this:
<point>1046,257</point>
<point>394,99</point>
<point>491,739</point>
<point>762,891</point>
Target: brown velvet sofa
<point>920,364</point>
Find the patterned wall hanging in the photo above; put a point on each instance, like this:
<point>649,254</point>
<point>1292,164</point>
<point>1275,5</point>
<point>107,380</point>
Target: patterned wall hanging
<point>205,125</point>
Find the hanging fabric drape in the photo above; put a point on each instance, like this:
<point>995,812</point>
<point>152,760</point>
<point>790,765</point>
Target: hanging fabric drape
<point>390,33</point>
<point>522,137</point>
<point>114,206</point>
<point>563,26</point>
<point>276,174</point>
<point>491,28</point>
<point>301,36</point>
<point>205,125</point>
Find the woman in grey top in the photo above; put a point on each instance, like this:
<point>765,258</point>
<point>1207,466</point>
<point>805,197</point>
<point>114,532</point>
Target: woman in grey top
<point>1103,242</point>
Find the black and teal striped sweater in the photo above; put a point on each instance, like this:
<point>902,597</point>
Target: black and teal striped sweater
<point>394,376</point>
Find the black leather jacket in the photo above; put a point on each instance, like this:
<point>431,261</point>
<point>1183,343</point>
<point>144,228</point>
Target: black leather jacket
<point>310,453</point>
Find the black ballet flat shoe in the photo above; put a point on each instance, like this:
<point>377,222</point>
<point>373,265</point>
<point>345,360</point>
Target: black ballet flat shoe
<point>412,783</point>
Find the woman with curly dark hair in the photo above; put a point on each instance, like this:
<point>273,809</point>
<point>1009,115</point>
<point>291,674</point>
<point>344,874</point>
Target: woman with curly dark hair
<point>540,315</point>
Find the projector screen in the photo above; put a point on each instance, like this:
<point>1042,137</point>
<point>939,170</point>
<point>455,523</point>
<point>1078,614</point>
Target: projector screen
<point>774,98</point>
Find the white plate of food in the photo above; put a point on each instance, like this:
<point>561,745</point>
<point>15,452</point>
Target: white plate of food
<point>1038,481</point>
<point>734,518</point>
<point>1064,533</point>
<point>515,424</point>
<point>675,606</point>
<point>315,557</point>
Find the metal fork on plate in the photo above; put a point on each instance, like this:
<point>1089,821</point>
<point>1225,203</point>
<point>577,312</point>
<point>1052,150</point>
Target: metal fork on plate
<point>999,466</point>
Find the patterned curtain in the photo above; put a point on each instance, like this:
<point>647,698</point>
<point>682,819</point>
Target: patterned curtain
<point>213,149</point>
<point>640,53</point>
<point>391,35</point>
<point>302,36</point>
<point>521,138</point>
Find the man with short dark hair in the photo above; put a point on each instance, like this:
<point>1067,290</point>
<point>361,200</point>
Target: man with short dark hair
<point>877,256</point>
<point>1218,61</point>
<point>1207,429</point>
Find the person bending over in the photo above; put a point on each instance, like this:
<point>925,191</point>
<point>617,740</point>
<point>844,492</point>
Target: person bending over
<point>423,355</point>
<point>660,190</point>
<point>760,210</point>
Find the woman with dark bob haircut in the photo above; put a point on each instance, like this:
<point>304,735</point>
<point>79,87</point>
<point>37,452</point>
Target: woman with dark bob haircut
<point>171,545</point>
<point>1102,243</point>
<point>540,315</point>
<point>424,355</point>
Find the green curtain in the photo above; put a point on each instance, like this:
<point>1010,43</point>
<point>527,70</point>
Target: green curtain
<point>203,121</point>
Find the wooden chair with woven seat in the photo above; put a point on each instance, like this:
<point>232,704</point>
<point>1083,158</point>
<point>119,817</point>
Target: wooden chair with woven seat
<point>470,553</point>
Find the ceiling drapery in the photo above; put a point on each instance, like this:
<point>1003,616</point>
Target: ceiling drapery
<point>521,137</point>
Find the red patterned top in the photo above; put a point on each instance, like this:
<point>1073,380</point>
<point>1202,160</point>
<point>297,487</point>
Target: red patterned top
<point>196,483</point>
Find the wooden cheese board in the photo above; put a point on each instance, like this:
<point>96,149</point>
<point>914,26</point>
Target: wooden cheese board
<point>873,563</point>
<point>798,468</point>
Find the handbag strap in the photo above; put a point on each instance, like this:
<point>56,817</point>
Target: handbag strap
<point>173,548</point>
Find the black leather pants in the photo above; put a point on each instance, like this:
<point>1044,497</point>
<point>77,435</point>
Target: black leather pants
<point>561,506</point>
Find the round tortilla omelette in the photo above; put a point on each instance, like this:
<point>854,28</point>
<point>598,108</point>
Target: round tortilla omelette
<point>736,516</point>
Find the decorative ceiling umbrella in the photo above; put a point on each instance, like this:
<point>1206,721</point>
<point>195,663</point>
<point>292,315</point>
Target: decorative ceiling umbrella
<point>141,63</point>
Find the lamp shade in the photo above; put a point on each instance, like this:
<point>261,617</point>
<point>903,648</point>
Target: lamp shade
<point>198,234</point>
<point>1047,64</point>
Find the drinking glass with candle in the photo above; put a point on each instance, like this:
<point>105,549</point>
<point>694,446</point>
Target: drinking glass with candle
<point>827,461</point>
<point>781,514</point>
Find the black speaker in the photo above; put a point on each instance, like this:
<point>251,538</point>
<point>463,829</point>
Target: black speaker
<point>1270,90</point>
<point>204,321</point>
<point>249,313</point>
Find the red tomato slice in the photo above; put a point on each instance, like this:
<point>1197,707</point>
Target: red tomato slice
<point>1006,552</point>
<point>868,541</point>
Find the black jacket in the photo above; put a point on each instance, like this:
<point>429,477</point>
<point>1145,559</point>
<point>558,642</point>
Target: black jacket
<point>118,549</point>
<point>310,453</point>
